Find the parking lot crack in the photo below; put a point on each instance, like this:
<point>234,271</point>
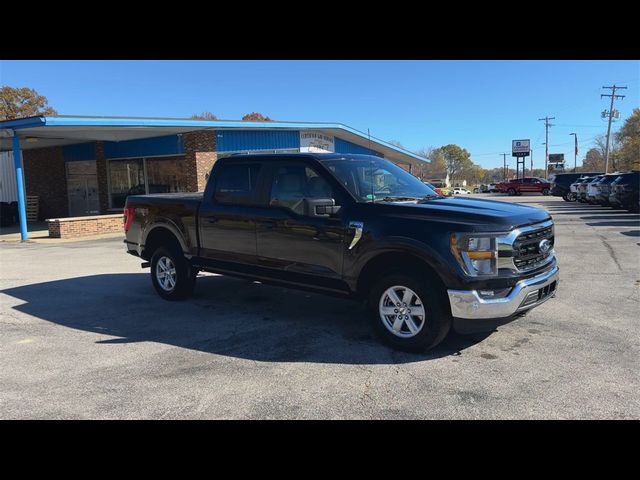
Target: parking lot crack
<point>612,253</point>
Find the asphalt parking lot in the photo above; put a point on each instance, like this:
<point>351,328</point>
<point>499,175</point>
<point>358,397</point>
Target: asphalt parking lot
<point>84,335</point>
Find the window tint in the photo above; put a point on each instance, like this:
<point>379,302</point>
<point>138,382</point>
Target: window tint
<point>236,184</point>
<point>292,185</point>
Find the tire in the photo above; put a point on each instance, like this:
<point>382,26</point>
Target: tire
<point>511,191</point>
<point>545,192</point>
<point>184,276</point>
<point>431,327</point>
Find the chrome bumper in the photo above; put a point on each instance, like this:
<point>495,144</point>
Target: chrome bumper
<point>526,294</point>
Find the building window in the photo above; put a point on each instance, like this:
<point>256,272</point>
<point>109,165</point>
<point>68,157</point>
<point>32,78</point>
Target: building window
<point>141,176</point>
<point>126,177</point>
<point>166,175</point>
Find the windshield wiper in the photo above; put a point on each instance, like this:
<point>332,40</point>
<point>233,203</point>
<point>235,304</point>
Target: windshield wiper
<point>395,199</point>
<point>431,197</point>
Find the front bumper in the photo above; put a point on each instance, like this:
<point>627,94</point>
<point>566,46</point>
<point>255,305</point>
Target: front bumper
<point>526,294</point>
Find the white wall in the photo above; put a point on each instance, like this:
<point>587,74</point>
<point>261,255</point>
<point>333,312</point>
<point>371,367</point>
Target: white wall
<point>8,189</point>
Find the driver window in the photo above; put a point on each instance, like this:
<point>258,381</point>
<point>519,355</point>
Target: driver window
<point>292,184</point>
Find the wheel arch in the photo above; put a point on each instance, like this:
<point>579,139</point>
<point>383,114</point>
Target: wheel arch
<point>162,234</point>
<point>398,261</point>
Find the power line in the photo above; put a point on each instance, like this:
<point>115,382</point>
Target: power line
<point>610,115</point>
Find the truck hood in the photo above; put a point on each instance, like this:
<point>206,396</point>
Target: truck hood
<point>476,214</point>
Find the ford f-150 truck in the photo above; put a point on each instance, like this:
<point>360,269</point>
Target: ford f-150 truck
<point>519,186</point>
<point>356,226</point>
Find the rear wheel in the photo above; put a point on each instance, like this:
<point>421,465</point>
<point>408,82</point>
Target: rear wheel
<point>171,275</point>
<point>511,191</point>
<point>408,312</point>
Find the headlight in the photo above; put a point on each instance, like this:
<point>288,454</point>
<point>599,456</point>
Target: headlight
<point>477,255</point>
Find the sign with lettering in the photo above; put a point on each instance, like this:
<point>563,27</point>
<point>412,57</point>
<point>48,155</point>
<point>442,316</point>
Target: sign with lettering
<point>317,142</point>
<point>520,148</point>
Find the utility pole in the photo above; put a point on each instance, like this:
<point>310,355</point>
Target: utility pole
<point>575,153</point>
<point>613,97</point>
<point>546,138</point>
<point>532,162</point>
<point>504,167</point>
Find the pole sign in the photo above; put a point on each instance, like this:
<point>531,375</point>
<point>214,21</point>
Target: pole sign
<point>556,158</point>
<point>520,148</point>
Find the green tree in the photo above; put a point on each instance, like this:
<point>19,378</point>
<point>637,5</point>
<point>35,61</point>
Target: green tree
<point>22,102</point>
<point>436,168</point>
<point>204,116</point>
<point>456,159</point>
<point>256,117</point>
<point>628,138</point>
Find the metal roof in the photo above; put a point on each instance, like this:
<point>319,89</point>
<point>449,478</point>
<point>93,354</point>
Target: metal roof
<point>65,130</point>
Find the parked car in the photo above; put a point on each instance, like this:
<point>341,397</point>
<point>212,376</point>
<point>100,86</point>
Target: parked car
<point>592,191</point>
<point>561,184</point>
<point>492,187</point>
<point>519,186</point>
<point>581,194</point>
<point>602,189</point>
<point>573,188</point>
<point>461,191</point>
<point>424,263</point>
<point>624,191</point>
<point>438,190</point>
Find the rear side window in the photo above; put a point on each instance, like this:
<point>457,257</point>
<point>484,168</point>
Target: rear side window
<point>237,184</point>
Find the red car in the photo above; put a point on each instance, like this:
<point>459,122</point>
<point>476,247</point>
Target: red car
<point>523,185</point>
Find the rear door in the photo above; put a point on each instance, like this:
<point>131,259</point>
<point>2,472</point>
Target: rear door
<point>227,223</point>
<point>298,245</point>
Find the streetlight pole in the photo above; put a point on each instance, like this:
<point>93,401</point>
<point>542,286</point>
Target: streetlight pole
<point>575,153</point>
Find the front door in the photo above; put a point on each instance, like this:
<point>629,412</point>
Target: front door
<point>298,245</point>
<point>82,188</point>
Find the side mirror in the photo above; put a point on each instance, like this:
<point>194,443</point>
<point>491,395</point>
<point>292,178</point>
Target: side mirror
<point>321,207</point>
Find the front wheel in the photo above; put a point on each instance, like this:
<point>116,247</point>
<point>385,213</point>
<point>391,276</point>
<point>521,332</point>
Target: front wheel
<point>511,191</point>
<point>408,313</point>
<point>545,191</point>
<point>171,275</point>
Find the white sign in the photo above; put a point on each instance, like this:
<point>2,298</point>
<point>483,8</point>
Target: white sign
<point>520,148</point>
<point>317,142</point>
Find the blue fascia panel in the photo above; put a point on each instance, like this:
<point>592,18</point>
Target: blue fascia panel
<point>78,152</point>
<point>145,147</point>
<point>248,140</point>
<point>343,146</point>
<point>24,122</point>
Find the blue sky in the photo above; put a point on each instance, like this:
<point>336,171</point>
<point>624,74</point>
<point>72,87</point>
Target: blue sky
<point>479,105</point>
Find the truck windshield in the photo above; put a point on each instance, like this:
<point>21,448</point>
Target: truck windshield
<point>376,179</point>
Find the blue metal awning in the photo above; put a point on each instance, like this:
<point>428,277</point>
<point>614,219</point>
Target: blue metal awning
<point>42,131</point>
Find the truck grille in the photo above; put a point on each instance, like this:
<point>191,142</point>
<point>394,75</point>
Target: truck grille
<point>526,249</point>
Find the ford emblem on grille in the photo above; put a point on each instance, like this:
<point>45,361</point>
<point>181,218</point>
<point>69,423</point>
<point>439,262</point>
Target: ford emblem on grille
<point>544,246</point>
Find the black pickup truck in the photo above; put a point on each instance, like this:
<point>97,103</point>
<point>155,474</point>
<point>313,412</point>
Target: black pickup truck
<point>357,226</point>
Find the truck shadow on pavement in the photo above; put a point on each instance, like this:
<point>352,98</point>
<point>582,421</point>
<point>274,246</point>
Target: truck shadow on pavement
<point>226,316</point>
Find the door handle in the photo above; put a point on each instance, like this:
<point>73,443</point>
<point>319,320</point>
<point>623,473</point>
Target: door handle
<point>358,226</point>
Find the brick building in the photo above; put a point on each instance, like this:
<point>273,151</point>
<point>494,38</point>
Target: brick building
<point>88,165</point>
